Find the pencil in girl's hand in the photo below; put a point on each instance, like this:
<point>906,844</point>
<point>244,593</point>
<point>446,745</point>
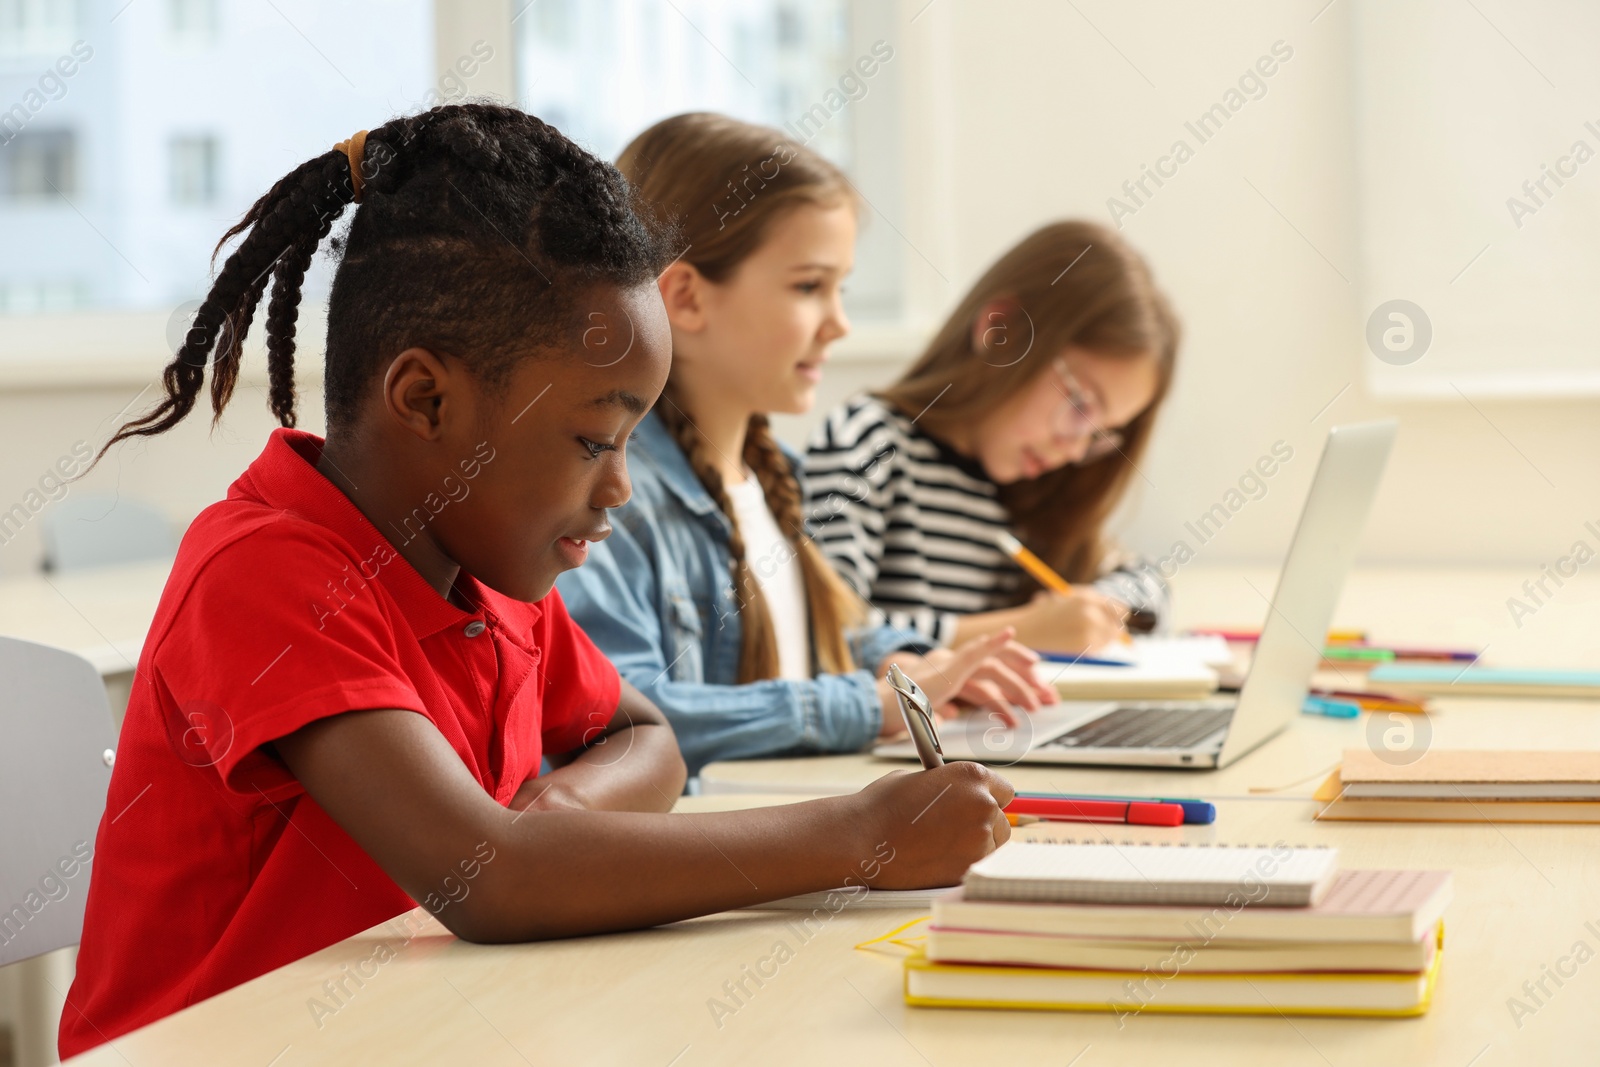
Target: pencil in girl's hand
<point>1138,619</point>
<point>1032,564</point>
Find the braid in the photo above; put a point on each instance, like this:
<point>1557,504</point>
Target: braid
<point>758,650</point>
<point>686,166</point>
<point>479,228</point>
<point>303,203</point>
<point>832,605</point>
<point>230,348</point>
<point>282,312</point>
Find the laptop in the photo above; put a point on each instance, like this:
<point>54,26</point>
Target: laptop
<point>1206,734</point>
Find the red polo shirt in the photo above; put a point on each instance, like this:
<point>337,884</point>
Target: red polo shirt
<point>212,865</point>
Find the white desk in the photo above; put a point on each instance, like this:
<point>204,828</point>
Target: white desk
<point>1464,608</point>
<point>1523,894</point>
<point>1292,764</point>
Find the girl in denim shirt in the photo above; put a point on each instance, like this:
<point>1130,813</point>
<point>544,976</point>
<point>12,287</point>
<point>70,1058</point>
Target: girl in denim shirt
<point>709,595</point>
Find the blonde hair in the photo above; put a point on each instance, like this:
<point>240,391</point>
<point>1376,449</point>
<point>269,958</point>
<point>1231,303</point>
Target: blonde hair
<point>1068,283</point>
<point>723,183</point>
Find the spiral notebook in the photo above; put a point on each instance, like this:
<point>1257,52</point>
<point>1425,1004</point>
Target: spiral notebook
<point>1071,871</point>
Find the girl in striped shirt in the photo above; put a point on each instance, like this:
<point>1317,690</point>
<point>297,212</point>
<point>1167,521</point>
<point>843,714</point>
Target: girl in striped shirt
<point>1028,413</point>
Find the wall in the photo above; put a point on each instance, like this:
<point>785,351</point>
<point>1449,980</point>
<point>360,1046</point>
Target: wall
<point>181,471</point>
<point>1254,239</point>
<point>1032,111</point>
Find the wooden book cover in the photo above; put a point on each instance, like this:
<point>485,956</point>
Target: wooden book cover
<point>1446,766</point>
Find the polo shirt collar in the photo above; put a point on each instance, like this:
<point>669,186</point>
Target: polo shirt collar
<point>285,477</point>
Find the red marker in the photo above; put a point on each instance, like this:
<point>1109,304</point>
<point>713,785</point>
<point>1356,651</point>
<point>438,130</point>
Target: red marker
<point>1075,809</point>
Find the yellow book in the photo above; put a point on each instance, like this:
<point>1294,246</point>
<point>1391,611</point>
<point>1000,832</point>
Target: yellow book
<point>1171,990</point>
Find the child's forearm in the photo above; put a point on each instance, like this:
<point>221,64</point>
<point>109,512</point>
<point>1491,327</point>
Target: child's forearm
<point>569,873</point>
<point>631,764</point>
<point>637,768</point>
<point>392,782</point>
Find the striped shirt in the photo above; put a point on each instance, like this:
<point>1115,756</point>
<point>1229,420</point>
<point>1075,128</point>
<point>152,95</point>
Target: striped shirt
<point>911,525</point>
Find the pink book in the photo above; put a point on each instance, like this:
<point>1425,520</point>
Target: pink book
<point>1361,905</point>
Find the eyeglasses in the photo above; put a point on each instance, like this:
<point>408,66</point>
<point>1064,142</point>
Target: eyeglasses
<point>1079,416</point>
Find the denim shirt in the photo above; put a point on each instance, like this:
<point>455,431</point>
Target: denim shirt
<point>657,597</point>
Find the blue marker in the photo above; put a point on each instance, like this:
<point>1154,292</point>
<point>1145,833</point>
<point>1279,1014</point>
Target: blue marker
<point>1333,709</point>
<point>1087,661</point>
<point>1195,812</point>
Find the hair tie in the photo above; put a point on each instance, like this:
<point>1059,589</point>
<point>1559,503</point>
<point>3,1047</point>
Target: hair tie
<point>353,149</point>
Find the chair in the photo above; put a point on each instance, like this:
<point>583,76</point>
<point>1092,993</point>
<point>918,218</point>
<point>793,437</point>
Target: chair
<point>55,767</point>
<point>56,749</point>
<point>96,529</point>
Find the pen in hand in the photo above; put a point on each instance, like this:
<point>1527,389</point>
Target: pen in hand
<point>919,717</point>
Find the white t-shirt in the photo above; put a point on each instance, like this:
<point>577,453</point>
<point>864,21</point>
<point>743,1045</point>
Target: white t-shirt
<point>773,561</point>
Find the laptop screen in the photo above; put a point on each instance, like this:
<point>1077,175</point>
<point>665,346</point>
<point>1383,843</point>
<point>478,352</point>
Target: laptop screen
<point>1320,554</point>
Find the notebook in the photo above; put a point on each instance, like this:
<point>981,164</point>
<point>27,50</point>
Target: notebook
<point>1464,810</point>
<point>1083,681</point>
<point>1157,954</point>
<point>1456,774</point>
<point>853,897</point>
<point>1454,680</point>
<point>1361,905</point>
<point>1152,668</point>
<point>954,985</point>
<point>1337,807</point>
<point>1068,870</point>
<point>1204,650</point>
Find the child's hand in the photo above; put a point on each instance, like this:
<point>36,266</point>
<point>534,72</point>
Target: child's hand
<point>1077,622</point>
<point>926,828</point>
<point>993,672</point>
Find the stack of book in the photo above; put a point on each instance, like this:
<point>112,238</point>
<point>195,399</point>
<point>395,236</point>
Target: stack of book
<point>1131,928</point>
<point>1455,785</point>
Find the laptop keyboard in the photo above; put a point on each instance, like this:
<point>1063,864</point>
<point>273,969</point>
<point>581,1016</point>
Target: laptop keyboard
<point>1165,725</point>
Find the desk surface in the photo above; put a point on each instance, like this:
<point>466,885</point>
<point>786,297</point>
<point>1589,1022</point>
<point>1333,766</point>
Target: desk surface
<point>101,613</point>
<point>1456,608</point>
<point>1292,764</point>
<point>1523,895</point>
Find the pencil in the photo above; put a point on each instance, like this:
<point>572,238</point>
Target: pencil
<point>1032,564</point>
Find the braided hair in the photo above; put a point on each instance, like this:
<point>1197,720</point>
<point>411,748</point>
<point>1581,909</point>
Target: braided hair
<point>480,228</point>
<point>722,183</point>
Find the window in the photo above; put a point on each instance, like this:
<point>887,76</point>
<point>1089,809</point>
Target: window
<point>30,297</point>
<point>151,126</point>
<point>551,22</point>
<point>114,182</point>
<point>192,21</point>
<point>193,166</point>
<point>603,71</point>
<point>39,165</point>
<point>37,27</point>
